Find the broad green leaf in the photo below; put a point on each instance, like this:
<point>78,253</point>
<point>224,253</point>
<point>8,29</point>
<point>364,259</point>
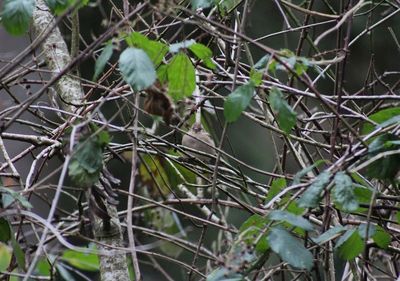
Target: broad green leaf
<point>251,229</point>
<point>176,47</point>
<point>262,63</point>
<point>350,245</point>
<point>381,237</point>
<point>256,77</point>
<point>362,230</point>
<point>286,116</point>
<point>380,117</point>
<point>238,101</point>
<point>156,177</point>
<point>83,261</point>
<point>253,221</point>
<point>294,208</point>
<point>5,257</point>
<point>290,249</point>
<point>18,253</point>
<point>201,4</point>
<point>290,62</point>
<point>204,54</point>
<point>5,230</point>
<point>276,187</point>
<point>43,267</point>
<point>181,77</point>
<point>227,6</point>
<point>391,121</point>
<point>312,196</point>
<point>178,174</point>
<point>162,74</point>
<point>137,68</point>
<point>223,274</point>
<point>343,192</point>
<point>297,177</point>
<point>363,194</point>
<point>384,168</point>
<point>301,65</point>
<point>10,195</point>
<point>6,200</point>
<point>156,50</point>
<point>328,235</point>
<point>344,237</point>
<point>16,15</point>
<point>279,215</point>
<point>87,160</point>
<point>59,6</point>
<point>102,60</point>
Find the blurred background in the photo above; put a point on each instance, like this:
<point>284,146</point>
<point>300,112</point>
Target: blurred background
<point>249,142</point>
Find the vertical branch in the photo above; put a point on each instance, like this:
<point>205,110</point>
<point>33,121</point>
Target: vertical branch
<point>71,94</point>
<point>132,184</point>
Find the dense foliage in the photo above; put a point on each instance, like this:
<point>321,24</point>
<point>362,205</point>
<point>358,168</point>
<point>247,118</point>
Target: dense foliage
<point>302,178</point>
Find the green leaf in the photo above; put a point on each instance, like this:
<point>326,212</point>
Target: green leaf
<point>238,101</point>
<point>59,6</point>
<point>256,77</point>
<point>43,267</point>
<point>276,187</point>
<point>201,4</point>
<point>381,237</point>
<point>286,116</point>
<point>380,117</point>
<point>204,54</point>
<point>312,196</point>
<point>9,193</point>
<point>16,15</point>
<point>5,257</point>
<point>293,207</point>
<point>279,215</point>
<point>176,47</point>
<point>18,253</point>
<point>297,177</point>
<point>6,200</point>
<point>362,230</point>
<point>301,65</point>
<point>156,50</point>
<point>250,230</point>
<point>262,63</point>
<point>363,194</point>
<point>156,177</point>
<point>137,69</point>
<point>223,274</point>
<point>253,221</point>
<point>290,249</point>
<point>102,60</point>
<point>343,192</point>
<point>227,6</point>
<point>181,77</point>
<point>87,160</point>
<point>5,230</point>
<point>328,235</point>
<point>83,261</point>
<point>162,73</point>
<point>290,61</point>
<point>384,168</point>
<point>350,245</point>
